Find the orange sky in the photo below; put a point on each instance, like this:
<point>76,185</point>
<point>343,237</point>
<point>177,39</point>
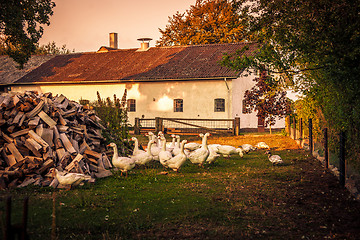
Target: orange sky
<point>84,25</point>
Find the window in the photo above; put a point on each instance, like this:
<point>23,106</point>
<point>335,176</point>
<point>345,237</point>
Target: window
<point>131,105</point>
<point>219,105</point>
<point>178,105</point>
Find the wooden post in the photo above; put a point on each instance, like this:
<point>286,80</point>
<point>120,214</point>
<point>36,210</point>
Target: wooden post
<point>8,230</point>
<point>326,148</point>
<point>158,125</point>
<point>301,131</point>
<point>310,136</point>
<point>294,128</point>
<point>23,233</point>
<point>137,126</point>
<point>342,159</point>
<point>288,125</point>
<point>237,126</point>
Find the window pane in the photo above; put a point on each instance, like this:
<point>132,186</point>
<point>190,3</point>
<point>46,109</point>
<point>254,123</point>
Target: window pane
<point>131,105</point>
<point>219,105</point>
<point>178,105</point>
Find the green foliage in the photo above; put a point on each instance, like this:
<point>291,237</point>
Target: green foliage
<point>206,22</point>
<point>20,25</point>
<point>113,115</point>
<point>315,47</point>
<point>51,48</point>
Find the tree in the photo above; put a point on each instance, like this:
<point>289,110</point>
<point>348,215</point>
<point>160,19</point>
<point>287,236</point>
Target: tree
<point>20,26</point>
<point>206,22</point>
<point>51,48</point>
<point>315,45</point>
<point>267,101</point>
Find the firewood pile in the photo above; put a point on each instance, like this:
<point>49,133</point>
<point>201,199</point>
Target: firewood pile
<point>39,132</point>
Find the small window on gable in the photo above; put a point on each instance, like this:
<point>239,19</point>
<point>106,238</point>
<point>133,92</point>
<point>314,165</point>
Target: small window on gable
<point>178,105</point>
<point>131,105</point>
<point>219,105</point>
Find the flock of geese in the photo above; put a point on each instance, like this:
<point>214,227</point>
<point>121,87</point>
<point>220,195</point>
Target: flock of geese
<point>172,155</point>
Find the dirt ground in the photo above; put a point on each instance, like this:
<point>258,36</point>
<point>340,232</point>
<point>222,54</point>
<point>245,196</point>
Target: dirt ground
<point>318,208</point>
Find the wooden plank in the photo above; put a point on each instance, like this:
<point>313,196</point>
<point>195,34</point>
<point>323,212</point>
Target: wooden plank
<point>12,148</point>
<point>67,144</point>
<point>48,120</point>
<point>20,133</point>
<point>36,110</point>
<point>37,138</point>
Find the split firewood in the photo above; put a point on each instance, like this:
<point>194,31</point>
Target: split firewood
<point>42,131</point>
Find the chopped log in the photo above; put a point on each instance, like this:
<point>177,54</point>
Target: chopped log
<point>72,164</point>
<point>36,110</point>
<point>48,120</point>
<point>60,152</point>
<point>47,135</point>
<point>6,137</point>
<point>33,122</point>
<point>33,146</point>
<point>103,174</point>
<point>37,138</point>
<point>20,133</point>
<point>18,117</point>
<point>12,148</point>
<point>67,144</point>
<point>48,164</point>
<point>93,153</point>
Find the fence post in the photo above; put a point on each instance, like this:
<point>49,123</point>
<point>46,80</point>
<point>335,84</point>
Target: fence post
<point>237,126</point>
<point>301,132</point>
<point>158,124</point>
<point>137,126</point>
<point>310,136</point>
<point>288,125</point>
<point>326,148</point>
<point>294,128</point>
<point>342,159</point>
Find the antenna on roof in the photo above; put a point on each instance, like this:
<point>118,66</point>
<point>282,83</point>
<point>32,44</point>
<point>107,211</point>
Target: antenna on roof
<point>145,43</point>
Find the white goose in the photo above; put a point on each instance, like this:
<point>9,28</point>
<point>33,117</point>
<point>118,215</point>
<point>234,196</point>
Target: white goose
<point>164,155</point>
<point>143,158</point>
<point>124,164</point>
<point>171,145</point>
<point>155,149</point>
<point>213,154</point>
<point>262,145</point>
<point>199,155</point>
<point>177,161</point>
<point>176,149</point>
<point>70,179</point>
<point>247,148</point>
<point>274,159</point>
<point>136,146</point>
<point>227,150</point>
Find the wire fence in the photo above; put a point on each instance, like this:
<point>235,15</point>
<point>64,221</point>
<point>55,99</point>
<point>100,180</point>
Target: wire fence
<point>188,126</point>
<point>328,146</point>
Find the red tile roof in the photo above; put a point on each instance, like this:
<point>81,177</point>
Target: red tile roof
<point>157,63</point>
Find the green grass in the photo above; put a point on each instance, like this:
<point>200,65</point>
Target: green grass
<point>233,196</point>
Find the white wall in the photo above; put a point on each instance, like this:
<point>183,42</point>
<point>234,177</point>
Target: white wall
<point>155,99</point>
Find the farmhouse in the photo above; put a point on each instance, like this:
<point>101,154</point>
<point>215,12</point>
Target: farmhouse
<point>169,82</point>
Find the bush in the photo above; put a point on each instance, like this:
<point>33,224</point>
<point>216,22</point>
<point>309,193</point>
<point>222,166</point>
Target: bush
<point>113,115</point>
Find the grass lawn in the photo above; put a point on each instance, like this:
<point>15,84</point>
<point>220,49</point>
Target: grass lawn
<point>235,198</point>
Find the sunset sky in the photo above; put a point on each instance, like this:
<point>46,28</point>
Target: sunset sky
<point>84,25</point>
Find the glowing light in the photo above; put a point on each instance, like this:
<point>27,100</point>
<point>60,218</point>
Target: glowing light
<point>164,104</point>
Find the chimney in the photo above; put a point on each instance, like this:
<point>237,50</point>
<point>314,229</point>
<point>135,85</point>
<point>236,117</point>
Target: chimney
<point>113,39</point>
<point>145,44</point>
